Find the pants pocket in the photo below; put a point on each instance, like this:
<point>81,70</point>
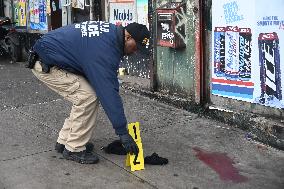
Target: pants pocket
<point>68,83</point>
<point>71,93</point>
<point>60,81</point>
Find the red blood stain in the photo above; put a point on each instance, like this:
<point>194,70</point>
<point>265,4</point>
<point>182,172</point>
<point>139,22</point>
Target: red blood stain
<point>221,164</point>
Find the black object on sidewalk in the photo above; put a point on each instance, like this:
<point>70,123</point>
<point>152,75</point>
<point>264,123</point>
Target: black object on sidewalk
<point>115,148</point>
<point>155,159</point>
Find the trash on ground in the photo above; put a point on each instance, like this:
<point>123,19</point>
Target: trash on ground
<point>115,148</point>
<point>155,159</point>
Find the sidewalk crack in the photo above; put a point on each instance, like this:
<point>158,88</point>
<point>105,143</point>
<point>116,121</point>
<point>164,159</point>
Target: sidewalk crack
<point>31,117</point>
<point>140,178</point>
<point>27,155</point>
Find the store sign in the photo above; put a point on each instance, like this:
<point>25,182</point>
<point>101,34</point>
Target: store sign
<point>122,13</point>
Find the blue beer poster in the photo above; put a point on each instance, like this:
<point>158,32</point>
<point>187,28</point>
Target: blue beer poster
<point>246,56</point>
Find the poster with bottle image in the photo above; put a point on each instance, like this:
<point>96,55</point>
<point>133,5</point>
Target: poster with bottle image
<point>246,57</point>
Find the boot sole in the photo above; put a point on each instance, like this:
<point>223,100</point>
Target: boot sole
<point>78,160</point>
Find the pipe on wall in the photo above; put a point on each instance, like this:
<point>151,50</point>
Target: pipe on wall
<point>198,52</point>
<point>152,45</point>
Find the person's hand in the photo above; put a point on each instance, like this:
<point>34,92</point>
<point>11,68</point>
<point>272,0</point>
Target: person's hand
<point>129,144</point>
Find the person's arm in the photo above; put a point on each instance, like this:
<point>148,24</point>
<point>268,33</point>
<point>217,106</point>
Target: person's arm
<point>106,87</point>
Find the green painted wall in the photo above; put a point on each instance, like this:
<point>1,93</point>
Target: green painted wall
<point>176,68</point>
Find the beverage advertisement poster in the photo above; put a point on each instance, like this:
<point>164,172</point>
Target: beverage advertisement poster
<point>37,12</point>
<point>122,13</point>
<point>247,38</point>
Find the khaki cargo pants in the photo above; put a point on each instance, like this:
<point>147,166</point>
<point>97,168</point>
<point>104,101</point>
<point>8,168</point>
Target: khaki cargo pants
<point>78,127</point>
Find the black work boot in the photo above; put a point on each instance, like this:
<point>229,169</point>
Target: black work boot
<point>83,157</point>
<point>60,147</point>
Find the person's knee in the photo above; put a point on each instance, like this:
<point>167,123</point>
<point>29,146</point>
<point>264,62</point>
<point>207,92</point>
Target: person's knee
<point>87,99</point>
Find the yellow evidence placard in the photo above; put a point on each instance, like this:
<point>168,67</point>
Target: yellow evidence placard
<point>136,163</point>
<point>134,131</point>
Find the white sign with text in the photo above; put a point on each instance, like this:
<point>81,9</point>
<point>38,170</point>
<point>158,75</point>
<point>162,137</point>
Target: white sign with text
<point>122,13</point>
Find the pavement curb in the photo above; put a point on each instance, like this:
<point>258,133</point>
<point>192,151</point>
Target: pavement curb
<point>263,129</point>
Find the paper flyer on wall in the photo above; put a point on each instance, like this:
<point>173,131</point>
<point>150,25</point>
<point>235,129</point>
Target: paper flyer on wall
<point>246,57</point>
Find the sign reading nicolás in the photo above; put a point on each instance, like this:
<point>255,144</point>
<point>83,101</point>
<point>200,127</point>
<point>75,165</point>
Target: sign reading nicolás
<point>122,13</point>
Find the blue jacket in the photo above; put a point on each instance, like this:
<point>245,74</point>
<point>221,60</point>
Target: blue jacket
<point>94,50</point>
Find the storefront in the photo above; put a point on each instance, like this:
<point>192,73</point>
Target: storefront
<point>33,18</point>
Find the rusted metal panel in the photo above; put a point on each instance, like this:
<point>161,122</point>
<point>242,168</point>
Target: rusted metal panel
<point>176,68</point>
<point>164,69</point>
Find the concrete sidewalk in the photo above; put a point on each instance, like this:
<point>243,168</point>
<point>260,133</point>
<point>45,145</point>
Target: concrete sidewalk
<point>202,153</point>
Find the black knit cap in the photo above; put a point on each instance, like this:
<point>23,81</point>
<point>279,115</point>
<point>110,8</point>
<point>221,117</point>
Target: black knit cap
<point>140,34</point>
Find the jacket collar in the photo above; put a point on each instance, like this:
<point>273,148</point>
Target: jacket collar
<point>121,38</point>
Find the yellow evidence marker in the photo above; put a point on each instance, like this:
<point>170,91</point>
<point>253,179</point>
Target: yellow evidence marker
<point>136,163</point>
<point>134,131</point>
